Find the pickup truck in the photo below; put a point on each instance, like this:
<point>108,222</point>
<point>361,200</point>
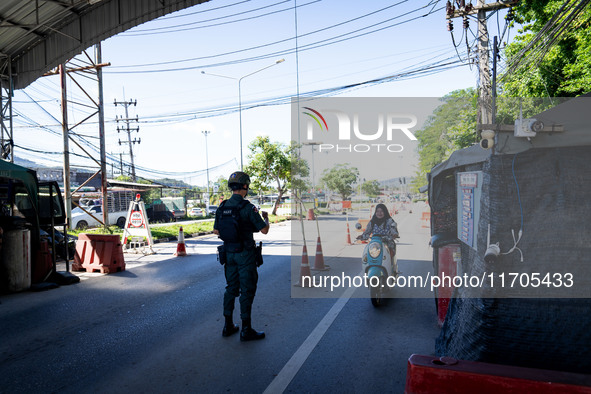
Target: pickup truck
<point>82,220</point>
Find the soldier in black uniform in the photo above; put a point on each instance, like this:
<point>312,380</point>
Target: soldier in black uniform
<point>240,268</point>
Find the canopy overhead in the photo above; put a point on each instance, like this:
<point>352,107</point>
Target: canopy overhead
<point>36,36</point>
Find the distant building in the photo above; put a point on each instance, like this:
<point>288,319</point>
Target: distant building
<point>77,177</point>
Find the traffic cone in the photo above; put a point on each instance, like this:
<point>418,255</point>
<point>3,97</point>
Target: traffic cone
<point>426,217</point>
<point>305,268</point>
<point>348,235</point>
<point>311,214</point>
<point>180,247</point>
<point>319,260</point>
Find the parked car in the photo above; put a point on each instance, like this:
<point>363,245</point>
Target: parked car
<point>196,211</point>
<point>81,220</point>
<point>212,209</point>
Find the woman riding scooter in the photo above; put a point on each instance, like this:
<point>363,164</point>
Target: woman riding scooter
<point>382,224</point>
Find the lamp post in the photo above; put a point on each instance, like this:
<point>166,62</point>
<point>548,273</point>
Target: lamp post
<point>205,133</point>
<point>313,146</point>
<point>240,97</point>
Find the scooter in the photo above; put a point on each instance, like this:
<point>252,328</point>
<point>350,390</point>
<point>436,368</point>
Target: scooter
<point>378,263</point>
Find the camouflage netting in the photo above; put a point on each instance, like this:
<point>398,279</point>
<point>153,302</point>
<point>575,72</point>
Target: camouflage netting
<point>540,332</point>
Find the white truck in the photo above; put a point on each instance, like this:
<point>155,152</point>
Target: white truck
<point>118,203</point>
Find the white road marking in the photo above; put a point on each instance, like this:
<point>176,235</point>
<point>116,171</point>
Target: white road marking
<point>291,368</point>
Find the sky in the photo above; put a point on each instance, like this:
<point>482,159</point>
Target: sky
<point>183,70</point>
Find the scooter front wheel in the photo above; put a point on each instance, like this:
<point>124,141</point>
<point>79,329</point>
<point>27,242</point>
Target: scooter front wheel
<point>376,300</point>
<point>377,295</point>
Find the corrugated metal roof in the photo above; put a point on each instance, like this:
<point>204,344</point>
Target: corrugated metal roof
<point>38,35</point>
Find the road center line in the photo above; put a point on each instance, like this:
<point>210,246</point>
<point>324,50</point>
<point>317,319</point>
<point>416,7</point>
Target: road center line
<point>291,368</point>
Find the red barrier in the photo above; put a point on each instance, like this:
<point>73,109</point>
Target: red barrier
<point>448,257</point>
<point>445,375</point>
<point>102,253</point>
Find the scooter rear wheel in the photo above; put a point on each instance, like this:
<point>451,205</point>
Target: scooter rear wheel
<point>377,294</point>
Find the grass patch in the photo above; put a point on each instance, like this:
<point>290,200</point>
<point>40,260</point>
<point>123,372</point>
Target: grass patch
<point>169,231</point>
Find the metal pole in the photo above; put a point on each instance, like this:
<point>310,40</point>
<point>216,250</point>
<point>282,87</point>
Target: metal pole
<point>101,118</point>
<point>10,94</point>
<point>240,99</point>
<point>483,67</point>
<point>130,143</point>
<point>65,131</point>
<point>205,133</point>
<point>494,80</point>
<point>240,115</point>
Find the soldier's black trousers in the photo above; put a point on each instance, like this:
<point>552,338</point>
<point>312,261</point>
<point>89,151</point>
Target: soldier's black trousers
<point>241,280</point>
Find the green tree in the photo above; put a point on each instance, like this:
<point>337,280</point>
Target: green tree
<point>371,188</point>
<point>451,127</point>
<point>542,64</point>
<point>340,179</point>
<point>299,172</point>
<point>223,189</point>
<point>270,163</point>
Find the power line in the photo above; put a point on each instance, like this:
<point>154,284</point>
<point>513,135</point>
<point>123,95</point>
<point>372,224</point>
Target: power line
<point>314,45</point>
<point>164,30</point>
<point>203,11</point>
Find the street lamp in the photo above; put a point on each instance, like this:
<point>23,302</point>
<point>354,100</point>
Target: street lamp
<point>205,133</point>
<point>240,97</point>
<point>313,146</point>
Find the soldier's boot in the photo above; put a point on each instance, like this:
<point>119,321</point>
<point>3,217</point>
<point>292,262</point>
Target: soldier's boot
<point>229,328</point>
<point>248,333</point>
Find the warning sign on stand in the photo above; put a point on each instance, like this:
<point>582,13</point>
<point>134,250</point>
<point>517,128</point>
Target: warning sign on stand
<point>136,219</point>
<point>137,226</point>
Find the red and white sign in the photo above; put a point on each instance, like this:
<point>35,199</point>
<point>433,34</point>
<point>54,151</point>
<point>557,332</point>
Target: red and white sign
<point>136,220</point>
<point>137,224</point>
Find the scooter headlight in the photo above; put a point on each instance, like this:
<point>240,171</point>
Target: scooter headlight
<point>375,249</point>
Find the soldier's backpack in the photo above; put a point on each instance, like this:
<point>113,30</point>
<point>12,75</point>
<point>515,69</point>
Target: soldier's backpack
<point>229,226</point>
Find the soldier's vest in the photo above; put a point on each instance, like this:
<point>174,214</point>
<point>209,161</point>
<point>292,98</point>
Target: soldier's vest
<point>230,226</point>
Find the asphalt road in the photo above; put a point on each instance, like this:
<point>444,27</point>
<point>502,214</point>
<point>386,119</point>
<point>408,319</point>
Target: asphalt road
<point>156,327</point>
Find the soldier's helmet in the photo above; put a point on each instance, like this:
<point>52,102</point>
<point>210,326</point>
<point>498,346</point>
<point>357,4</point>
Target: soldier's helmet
<point>238,179</point>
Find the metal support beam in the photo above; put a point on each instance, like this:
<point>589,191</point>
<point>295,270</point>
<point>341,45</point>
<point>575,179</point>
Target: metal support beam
<point>103,151</point>
<point>65,132</point>
<point>6,93</point>
<point>94,64</point>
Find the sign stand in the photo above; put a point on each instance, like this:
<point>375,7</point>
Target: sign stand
<point>136,224</point>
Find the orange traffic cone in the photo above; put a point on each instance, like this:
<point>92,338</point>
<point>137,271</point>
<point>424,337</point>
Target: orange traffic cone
<point>426,217</point>
<point>311,214</point>
<point>319,260</point>
<point>180,247</point>
<point>348,235</point>
<point>305,270</point>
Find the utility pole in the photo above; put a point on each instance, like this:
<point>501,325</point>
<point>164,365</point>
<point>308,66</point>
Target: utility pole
<point>485,87</point>
<point>205,133</point>
<point>128,129</point>
<point>485,94</point>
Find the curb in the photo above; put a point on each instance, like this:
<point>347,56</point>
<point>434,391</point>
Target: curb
<point>170,239</point>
